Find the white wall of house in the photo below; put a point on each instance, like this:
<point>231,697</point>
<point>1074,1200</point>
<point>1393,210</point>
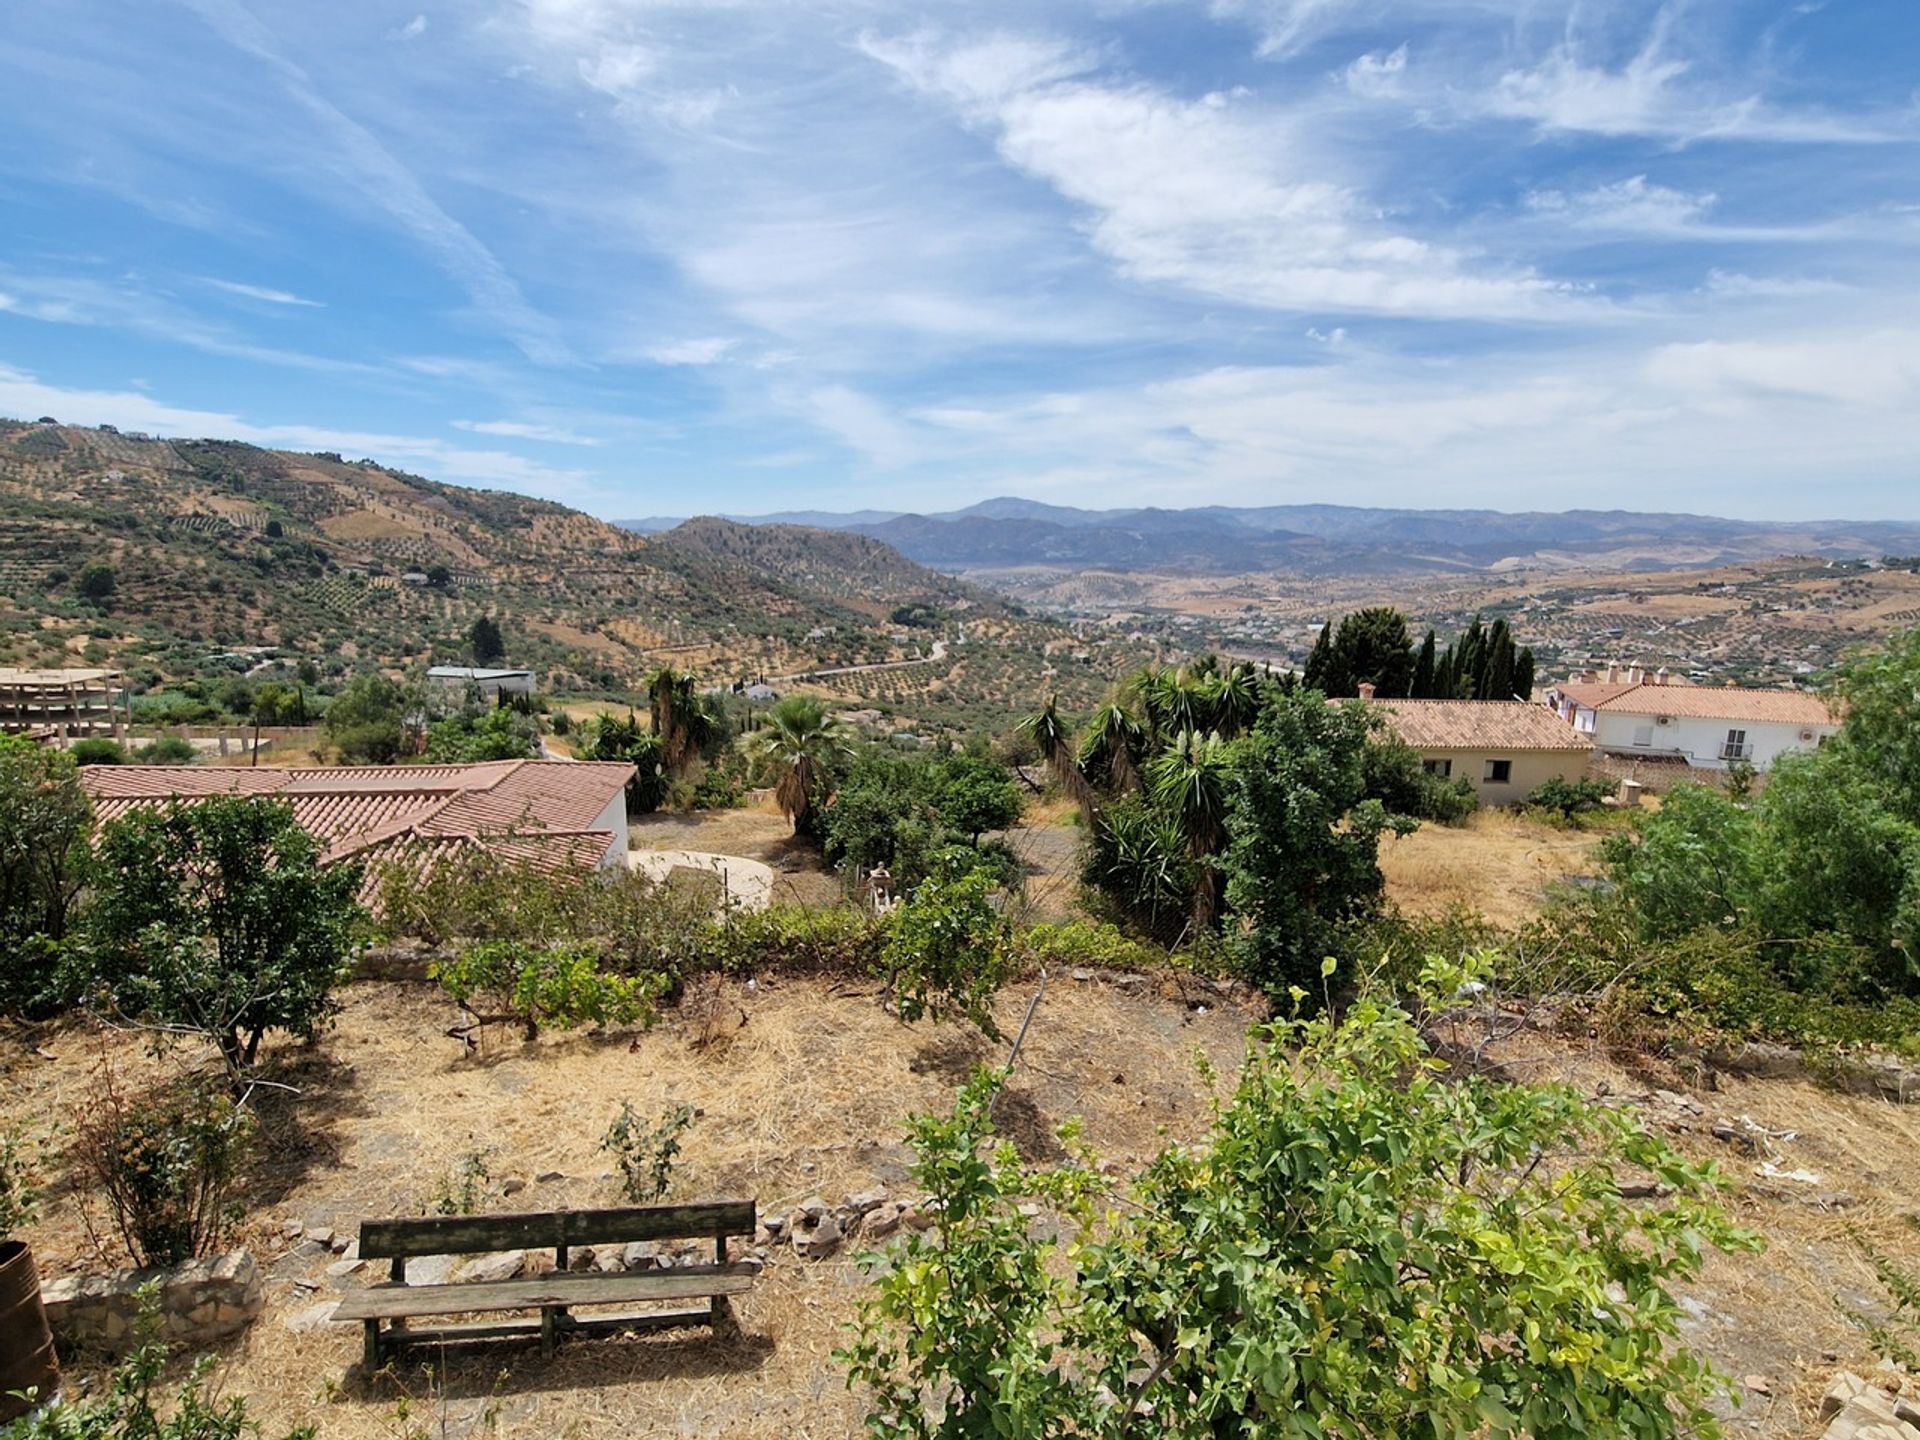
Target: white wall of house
<point>614,818</point>
<point>1706,744</point>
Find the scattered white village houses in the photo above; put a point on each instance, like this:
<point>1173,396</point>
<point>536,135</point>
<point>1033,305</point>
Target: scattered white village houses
<point>1504,749</point>
<point>1630,713</point>
<point>555,815</point>
<point>491,684</point>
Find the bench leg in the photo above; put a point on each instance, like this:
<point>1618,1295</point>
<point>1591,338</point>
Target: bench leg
<point>371,1330</point>
<point>549,1330</point>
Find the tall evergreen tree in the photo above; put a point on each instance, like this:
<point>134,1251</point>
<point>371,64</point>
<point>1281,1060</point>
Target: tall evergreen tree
<point>1423,671</point>
<point>1320,661</point>
<point>1523,674</point>
<point>1498,684</point>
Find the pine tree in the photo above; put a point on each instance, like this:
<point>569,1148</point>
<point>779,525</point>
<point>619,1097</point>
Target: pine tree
<point>486,641</point>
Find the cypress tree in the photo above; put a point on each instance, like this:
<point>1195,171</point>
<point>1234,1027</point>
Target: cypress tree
<point>1523,674</point>
<point>1320,660</point>
<point>1422,686</point>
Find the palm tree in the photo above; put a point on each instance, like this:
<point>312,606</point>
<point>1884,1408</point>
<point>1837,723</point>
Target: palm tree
<point>1054,740</point>
<point>1189,785</point>
<point>676,715</point>
<point>795,743</point>
<point>1112,741</point>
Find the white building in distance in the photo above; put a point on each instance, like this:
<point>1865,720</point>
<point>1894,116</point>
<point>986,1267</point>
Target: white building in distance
<point>1630,713</point>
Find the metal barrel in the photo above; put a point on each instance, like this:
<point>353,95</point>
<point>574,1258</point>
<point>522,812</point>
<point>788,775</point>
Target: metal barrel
<point>27,1361</point>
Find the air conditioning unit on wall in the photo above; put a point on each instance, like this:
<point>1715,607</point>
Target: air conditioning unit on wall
<point>1806,735</point>
<point>1663,720</point>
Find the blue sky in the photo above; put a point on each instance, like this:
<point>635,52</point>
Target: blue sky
<point>658,258</point>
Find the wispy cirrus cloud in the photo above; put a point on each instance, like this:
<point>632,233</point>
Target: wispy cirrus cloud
<point>525,430</point>
<point>264,293</point>
<point>1216,195</point>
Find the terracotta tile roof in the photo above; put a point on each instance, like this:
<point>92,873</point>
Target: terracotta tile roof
<point>1593,692</point>
<point>1706,702</point>
<point>507,803</point>
<point>1480,725</point>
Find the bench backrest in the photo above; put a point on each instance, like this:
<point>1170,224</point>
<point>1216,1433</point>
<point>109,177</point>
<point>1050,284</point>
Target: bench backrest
<point>553,1229</point>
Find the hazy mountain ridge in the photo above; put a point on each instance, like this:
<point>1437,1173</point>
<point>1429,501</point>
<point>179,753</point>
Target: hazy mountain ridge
<point>1008,532</point>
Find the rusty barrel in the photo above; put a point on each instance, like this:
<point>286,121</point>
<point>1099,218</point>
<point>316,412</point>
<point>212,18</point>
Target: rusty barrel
<point>27,1360</point>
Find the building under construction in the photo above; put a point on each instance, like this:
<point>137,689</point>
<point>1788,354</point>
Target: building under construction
<point>63,705</point>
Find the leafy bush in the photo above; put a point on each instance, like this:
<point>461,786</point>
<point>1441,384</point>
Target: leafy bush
<point>645,1154</point>
<point>19,1195</point>
<point>98,750</point>
<point>1449,802</point>
<point>166,1163</point>
<point>1569,797</point>
<point>947,953</point>
<point>1357,1242</point>
<point>132,1408</point>
<point>608,737</point>
<point>44,824</point>
<point>462,1188</point>
<point>1085,944</point>
<point>169,750</point>
<point>497,733</point>
<point>500,982</point>
<point>218,919</point>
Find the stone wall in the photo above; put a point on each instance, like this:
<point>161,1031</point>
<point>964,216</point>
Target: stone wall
<point>199,1302</point>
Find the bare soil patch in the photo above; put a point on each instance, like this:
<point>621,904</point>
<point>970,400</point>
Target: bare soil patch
<point>1499,863</point>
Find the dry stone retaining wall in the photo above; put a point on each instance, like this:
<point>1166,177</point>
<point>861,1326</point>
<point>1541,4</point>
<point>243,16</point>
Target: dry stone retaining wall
<point>199,1302</point>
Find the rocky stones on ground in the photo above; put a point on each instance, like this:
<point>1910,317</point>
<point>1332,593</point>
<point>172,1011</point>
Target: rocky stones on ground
<point>637,1256</point>
<point>1857,1409</point>
<point>311,1317</point>
<point>861,1201</point>
<point>882,1220</point>
<point>430,1269</point>
<point>548,1177</point>
<point>340,1269</point>
<point>816,1234</point>
<point>503,1265</point>
<point>513,1184</point>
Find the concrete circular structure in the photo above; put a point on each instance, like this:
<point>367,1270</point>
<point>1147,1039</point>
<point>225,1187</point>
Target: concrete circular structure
<point>748,883</point>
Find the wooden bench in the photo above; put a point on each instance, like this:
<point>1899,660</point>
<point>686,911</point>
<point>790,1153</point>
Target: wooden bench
<point>555,1294</point>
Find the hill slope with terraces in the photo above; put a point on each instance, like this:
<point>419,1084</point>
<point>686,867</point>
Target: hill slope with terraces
<point>217,546</point>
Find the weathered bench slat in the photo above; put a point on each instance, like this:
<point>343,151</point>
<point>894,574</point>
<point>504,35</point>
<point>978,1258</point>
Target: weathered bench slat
<point>477,1234</point>
<point>600,1322</point>
<point>388,1301</point>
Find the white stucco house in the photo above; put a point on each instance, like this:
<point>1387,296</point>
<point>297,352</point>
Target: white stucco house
<point>1710,727</point>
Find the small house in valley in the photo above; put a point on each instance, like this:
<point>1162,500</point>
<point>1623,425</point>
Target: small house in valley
<point>1504,749</point>
<point>491,684</point>
<point>550,814</point>
<point>1630,713</point>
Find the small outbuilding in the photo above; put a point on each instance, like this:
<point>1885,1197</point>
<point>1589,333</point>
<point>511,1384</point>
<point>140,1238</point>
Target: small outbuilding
<point>1504,749</point>
<point>491,684</point>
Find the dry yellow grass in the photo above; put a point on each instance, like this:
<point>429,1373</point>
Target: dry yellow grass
<point>1498,863</point>
<point>806,1094</point>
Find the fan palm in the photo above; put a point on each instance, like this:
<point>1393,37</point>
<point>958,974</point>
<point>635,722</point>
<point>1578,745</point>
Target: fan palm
<point>795,744</point>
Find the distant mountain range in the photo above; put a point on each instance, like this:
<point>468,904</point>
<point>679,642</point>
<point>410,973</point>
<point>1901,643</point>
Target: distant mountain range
<point>1009,533</point>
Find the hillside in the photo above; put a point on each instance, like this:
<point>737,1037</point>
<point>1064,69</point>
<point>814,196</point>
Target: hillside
<point>218,549</point>
<point>1008,533</point>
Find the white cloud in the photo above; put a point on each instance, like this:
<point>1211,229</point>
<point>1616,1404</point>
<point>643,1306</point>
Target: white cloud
<point>413,29</point>
<point>862,423</point>
<point>1632,204</point>
<point>1770,287</point>
<point>260,292</point>
<point>708,351</point>
<point>22,393</point>
<point>1655,94</point>
<point>1219,199</point>
<point>522,430</point>
<point>1877,369</point>
<point>1377,74</point>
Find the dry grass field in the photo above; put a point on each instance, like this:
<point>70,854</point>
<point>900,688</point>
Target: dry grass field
<point>803,1093</point>
<point>1499,863</point>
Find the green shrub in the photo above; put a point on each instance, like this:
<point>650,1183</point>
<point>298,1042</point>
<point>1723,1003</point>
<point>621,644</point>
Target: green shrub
<point>165,1163</point>
<point>947,953</point>
<point>499,982</point>
<point>169,750</point>
<point>98,750</point>
<point>131,1407</point>
<point>1085,944</point>
<point>1356,1241</point>
<point>19,1194</point>
<point>646,1154</point>
<point>1568,798</point>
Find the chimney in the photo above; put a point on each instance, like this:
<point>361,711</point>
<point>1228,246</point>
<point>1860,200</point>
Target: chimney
<point>1366,689</point>
<point>1635,675</point>
<point>1660,676</point>
<point>1613,673</point>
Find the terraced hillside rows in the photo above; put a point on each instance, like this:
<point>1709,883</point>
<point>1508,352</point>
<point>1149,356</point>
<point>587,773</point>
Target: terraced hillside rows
<point>217,547</point>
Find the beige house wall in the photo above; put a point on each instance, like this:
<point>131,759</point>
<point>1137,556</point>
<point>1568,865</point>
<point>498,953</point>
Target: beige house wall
<point>1529,769</point>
